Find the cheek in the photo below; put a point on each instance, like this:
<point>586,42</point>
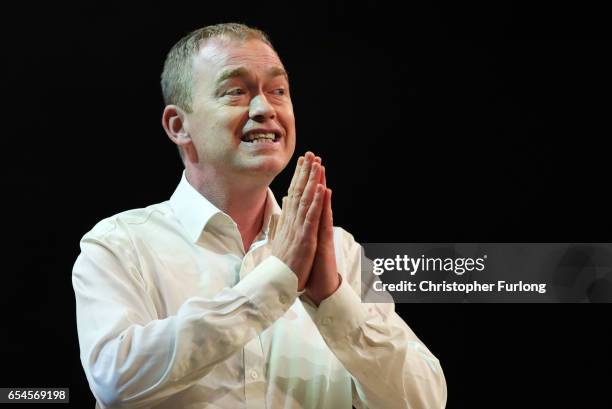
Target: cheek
<point>287,120</point>
<point>231,121</point>
<point>220,130</point>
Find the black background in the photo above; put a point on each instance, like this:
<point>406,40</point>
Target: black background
<point>437,123</point>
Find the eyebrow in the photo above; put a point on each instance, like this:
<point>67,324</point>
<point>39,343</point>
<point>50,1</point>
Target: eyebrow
<point>243,72</point>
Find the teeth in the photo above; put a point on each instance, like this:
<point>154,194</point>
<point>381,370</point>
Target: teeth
<point>259,136</point>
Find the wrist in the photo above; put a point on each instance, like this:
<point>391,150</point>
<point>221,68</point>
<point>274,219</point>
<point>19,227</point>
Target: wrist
<point>332,286</point>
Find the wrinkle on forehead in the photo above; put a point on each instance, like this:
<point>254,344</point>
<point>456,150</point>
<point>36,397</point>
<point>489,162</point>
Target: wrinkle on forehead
<point>218,53</point>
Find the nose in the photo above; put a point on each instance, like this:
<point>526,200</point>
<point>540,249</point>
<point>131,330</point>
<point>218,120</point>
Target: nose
<point>260,109</point>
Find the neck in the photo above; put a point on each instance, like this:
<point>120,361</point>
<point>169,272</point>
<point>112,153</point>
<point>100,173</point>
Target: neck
<point>244,201</point>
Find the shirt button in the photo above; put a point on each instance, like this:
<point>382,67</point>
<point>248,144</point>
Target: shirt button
<point>283,299</point>
<point>327,321</point>
<point>254,374</point>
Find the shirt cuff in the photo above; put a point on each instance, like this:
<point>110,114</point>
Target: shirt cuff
<point>271,287</point>
<point>340,314</point>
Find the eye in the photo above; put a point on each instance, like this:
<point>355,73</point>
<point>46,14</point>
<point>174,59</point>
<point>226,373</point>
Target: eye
<point>280,91</point>
<point>235,92</point>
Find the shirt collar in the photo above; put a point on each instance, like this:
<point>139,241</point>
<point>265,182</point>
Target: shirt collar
<point>195,212</point>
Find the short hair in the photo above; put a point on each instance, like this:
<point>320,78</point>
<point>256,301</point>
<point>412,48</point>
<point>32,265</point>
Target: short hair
<point>177,76</point>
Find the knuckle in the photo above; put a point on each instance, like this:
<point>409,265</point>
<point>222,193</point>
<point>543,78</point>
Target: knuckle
<point>308,225</point>
<point>308,241</point>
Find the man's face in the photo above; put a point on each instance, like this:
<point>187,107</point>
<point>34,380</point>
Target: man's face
<point>240,100</point>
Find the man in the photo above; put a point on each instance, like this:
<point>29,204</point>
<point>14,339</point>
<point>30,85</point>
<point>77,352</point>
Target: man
<point>217,298</point>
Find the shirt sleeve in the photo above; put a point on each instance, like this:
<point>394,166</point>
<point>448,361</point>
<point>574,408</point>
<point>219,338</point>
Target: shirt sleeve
<point>134,359</point>
<point>390,366</point>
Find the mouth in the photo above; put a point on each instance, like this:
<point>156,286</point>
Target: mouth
<point>260,137</point>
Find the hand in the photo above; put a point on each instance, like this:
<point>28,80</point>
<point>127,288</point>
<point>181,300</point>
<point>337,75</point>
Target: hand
<point>295,236</point>
<point>324,278</point>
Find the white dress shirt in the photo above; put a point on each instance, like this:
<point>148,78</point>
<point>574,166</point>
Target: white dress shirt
<point>172,313</point>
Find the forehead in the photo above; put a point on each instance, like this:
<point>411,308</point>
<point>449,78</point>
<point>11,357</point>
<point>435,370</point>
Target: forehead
<point>219,54</point>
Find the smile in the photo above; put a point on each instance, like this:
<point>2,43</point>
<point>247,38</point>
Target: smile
<point>260,137</point>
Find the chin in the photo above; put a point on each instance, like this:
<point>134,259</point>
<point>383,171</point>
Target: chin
<point>268,167</point>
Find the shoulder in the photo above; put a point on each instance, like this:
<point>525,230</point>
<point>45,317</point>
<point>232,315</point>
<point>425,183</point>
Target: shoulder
<point>348,257</point>
<point>346,245</point>
<point>341,236</point>
<point>116,242</point>
<point>122,227</point>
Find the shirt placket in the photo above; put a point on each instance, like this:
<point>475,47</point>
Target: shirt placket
<point>254,363</point>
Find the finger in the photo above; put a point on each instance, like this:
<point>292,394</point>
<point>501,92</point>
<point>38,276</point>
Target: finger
<point>324,222</point>
<point>309,192</point>
<point>311,222</point>
<point>296,174</point>
<point>328,220</point>
<point>323,180</point>
<point>300,184</point>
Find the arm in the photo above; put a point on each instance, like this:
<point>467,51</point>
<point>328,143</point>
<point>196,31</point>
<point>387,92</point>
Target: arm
<point>132,357</point>
<point>390,366</point>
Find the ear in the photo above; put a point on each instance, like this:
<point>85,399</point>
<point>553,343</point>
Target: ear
<point>174,123</point>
